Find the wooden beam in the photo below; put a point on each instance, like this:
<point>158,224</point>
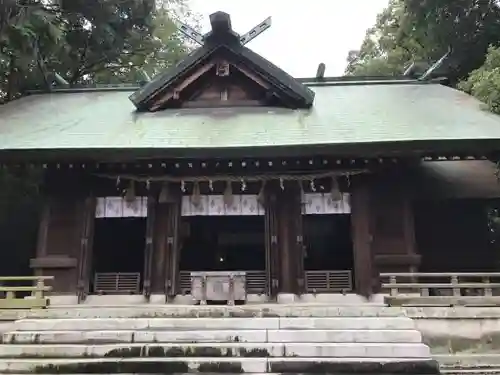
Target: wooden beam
<point>222,103</point>
<point>253,77</point>
<point>179,88</point>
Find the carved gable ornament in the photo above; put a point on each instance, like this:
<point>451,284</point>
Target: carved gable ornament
<point>222,72</point>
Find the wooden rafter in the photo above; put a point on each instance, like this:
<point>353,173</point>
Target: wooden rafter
<point>174,92</point>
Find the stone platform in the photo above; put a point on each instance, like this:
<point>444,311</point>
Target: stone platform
<point>223,339</point>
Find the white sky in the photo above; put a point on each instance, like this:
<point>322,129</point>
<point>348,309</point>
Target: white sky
<point>303,33</point>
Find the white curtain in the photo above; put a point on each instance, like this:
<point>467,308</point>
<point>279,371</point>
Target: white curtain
<point>108,207</point>
<point>323,204</point>
<point>247,205</point>
<point>213,205</point>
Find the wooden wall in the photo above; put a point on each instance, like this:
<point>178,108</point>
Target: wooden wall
<point>392,225</point>
<point>60,241</point>
<point>390,234</point>
<point>453,236</point>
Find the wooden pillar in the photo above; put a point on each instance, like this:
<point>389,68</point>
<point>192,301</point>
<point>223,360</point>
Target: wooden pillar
<point>271,241</point>
<point>149,246</point>
<point>290,239</point>
<point>43,232</point>
<point>300,247</point>
<point>86,249</point>
<point>362,236</point>
<point>173,248</point>
<point>160,250</point>
<point>165,267</point>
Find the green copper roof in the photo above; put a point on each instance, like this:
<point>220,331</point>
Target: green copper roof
<point>343,114</point>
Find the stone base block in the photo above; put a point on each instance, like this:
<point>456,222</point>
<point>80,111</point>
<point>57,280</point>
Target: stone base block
<point>222,365</point>
<point>307,350</point>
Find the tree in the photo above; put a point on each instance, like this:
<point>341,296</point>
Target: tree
<point>384,51</point>
<point>469,27</point>
<point>86,41</point>
<point>423,30</point>
<point>23,29</point>
<point>484,82</point>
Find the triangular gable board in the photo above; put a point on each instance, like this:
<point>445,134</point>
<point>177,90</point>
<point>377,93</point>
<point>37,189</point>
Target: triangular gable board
<point>221,73</point>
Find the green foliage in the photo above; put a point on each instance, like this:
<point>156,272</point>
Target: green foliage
<point>484,82</point>
<point>87,41</point>
<point>384,51</point>
<point>422,31</point>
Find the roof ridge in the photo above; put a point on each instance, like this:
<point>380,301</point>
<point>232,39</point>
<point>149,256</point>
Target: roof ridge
<point>309,82</point>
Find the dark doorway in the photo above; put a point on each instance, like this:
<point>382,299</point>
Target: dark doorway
<point>328,247</point>
<point>222,243</point>
<point>118,249</point>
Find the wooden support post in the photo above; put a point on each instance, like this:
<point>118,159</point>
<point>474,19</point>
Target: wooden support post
<point>43,231</point>
<point>160,250</point>
<point>85,256</point>
<point>149,247</point>
<point>172,249</point>
<point>272,247</point>
<point>362,237</point>
<point>299,241</point>
<point>290,239</point>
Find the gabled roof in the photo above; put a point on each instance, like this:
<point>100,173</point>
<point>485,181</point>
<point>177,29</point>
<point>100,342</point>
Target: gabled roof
<point>222,41</point>
<point>348,118</point>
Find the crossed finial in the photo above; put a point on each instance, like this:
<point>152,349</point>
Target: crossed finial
<point>221,23</point>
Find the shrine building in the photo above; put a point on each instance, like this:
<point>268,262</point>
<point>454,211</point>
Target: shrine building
<point>226,166</point>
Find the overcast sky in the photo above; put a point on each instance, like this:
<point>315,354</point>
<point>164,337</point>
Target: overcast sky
<point>303,33</point>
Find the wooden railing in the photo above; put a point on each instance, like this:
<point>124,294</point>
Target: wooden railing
<point>117,283</point>
<point>316,282</point>
<point>256,282</point>
<point>441,288</point>
<point>328,281</point>
<point>185,282</point>
<point>11,297</point>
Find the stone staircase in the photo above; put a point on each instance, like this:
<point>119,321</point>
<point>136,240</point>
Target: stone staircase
<point>216,340</point>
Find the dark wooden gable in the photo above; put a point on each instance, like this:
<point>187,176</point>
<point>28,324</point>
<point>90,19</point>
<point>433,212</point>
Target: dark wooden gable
<point>221,73</point>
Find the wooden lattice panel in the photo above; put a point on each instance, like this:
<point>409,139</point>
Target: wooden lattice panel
<point>328,281</point>
<point>117,283</point>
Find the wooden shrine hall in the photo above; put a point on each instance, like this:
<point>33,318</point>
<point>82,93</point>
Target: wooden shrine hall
<point>224,179</point>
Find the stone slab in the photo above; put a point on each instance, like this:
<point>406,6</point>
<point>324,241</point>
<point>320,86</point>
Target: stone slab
<point>108,337</point>
<point>475,371</point>
<point>351,323</point>
<point>333,323</point>
<point>372,350</point>
<point>454,312</point>
<point>178,311</point>
<point>260,336</point>
<point>468,360</point>
<point>320,336</point>
<point>175,324</point>
<point>236,365</point>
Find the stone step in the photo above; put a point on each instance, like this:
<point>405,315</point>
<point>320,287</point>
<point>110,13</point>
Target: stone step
<point>373,350</point>
<point>333,323</point>
<point>350,365</point>
<point>186,311</point>
<point>471,371</point>
<point>258,336</point>
<point>471,360</point>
